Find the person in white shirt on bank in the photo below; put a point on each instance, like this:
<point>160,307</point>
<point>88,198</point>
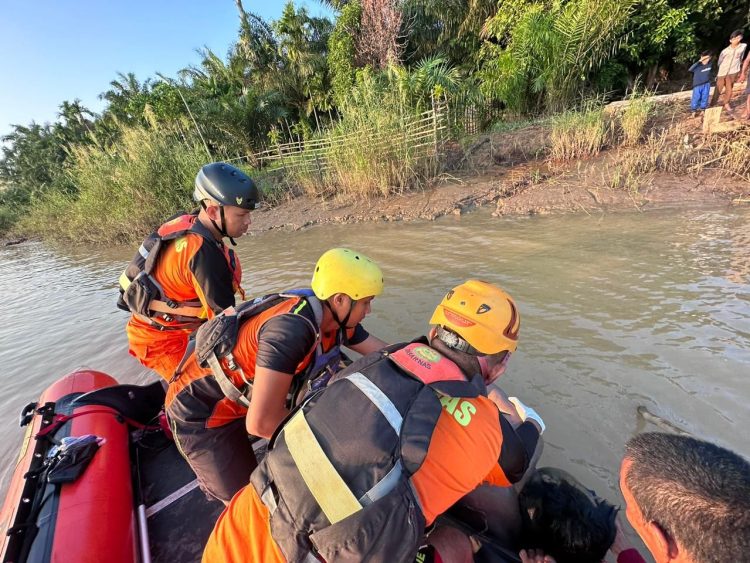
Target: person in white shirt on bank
<point>729,64</point>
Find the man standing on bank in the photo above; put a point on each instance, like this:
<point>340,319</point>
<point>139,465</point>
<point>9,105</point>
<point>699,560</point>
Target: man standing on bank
<point>183,273</point>
<point>729,67</point>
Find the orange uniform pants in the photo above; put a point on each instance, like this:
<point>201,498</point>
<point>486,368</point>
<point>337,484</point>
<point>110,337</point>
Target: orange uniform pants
<point>158,350</point>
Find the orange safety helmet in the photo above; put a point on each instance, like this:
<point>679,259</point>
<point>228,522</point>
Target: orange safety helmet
<point>481,314</point>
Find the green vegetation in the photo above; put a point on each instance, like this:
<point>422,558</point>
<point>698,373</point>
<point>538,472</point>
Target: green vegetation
<point>635,117</point>
<point>578,133</point>
<point>368,77</point>
<point>376,148</point>
<point>123,189</point>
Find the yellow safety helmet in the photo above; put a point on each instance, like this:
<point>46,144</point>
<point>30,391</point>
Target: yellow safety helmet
<point>481,314</point>
<point>341,270</point>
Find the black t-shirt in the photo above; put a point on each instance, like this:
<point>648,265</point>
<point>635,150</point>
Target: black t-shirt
<point>285,340</point>
<point>214,275</point>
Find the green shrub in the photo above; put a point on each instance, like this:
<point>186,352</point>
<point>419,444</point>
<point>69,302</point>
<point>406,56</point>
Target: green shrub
<point>635,116</point>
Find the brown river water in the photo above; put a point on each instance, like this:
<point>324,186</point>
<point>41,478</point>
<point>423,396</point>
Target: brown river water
<point>617,310</point>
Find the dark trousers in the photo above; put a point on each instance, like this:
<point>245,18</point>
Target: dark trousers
<point>219,452</point>
<point>700,96</point>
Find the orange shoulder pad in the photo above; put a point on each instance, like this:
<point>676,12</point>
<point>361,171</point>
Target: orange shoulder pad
<point>427,364</point>
<point>181,223</point>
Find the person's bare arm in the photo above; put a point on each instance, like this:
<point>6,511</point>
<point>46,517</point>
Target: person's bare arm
<point>368,345</point>
<point>506,408</point>
<point>743,72</point>
<point>268,402</point>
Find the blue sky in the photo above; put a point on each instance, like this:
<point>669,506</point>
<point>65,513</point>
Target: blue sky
<point>56,50</point>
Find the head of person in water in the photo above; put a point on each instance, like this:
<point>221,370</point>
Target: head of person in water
<point>476,326</point>
<point>565,519</point>
<point>689,500</point>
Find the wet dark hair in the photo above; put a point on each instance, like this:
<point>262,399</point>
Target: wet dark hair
<point>697,492</point>
<point>736,33</point>
<point>566,520</point>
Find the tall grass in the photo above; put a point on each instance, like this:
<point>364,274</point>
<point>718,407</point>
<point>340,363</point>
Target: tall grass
<point>635,117</point>
<point>123,190</point>
<point>667,151</point>
<point>370,152</point>
<point>730,154</point>
<point>578,133</point>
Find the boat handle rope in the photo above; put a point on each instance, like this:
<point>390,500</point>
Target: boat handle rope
<point>59,419</point>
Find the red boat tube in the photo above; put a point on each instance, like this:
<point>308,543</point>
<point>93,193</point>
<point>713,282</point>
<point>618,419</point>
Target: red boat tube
<point>90,519</point>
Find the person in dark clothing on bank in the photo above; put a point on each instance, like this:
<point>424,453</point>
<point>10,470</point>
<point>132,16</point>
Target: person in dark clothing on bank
<point>701,82</point>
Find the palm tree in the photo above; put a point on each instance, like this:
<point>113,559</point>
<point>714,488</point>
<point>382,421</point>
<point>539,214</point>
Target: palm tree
<point>126,97</point>
<point>303,73</point>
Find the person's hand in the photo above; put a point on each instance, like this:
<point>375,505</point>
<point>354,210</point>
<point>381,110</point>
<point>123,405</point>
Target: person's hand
<point>535,556</point>
<point>527,413</point>
<point>506,408</point>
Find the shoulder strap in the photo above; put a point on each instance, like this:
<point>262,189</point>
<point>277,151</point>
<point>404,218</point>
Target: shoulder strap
<point>217,338</point>
<point>227,387</point>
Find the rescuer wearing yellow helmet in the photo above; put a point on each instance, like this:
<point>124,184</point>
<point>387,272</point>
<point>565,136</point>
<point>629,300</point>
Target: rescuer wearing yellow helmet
<point>254,362</point>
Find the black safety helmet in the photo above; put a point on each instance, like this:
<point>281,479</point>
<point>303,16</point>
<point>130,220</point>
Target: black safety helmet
<point>226,185</point>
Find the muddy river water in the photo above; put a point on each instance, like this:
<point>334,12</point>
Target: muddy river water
<point>617,310</point>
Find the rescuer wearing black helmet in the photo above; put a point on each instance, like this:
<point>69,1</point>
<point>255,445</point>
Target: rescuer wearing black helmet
<point>226,194</point>
<point>183,273</point>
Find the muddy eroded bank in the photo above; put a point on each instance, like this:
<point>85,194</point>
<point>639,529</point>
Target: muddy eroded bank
<point>513,173</point>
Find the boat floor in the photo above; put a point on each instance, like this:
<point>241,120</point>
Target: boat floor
<point>180,516</point>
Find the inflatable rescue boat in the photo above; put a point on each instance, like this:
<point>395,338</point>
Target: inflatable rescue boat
<point>98,478</point>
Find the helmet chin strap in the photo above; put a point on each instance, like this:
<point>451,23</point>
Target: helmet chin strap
<point>223,229</point>
<point>341,323</point>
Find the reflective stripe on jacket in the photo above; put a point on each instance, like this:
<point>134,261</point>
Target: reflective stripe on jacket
<point>339,477</point>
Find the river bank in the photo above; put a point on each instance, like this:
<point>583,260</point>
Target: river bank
<point>587,161</point>
<point>673,164</point>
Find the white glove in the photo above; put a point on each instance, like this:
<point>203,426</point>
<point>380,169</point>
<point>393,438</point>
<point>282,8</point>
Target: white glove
<point>527,412</point>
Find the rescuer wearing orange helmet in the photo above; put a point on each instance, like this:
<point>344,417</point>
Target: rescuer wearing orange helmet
<point>364,466</point>
<point>183,274</point>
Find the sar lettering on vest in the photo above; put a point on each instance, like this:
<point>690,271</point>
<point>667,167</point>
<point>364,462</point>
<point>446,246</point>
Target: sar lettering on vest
<point>461,409</point>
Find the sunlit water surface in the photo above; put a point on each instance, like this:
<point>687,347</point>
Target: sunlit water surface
<point>617,311</point>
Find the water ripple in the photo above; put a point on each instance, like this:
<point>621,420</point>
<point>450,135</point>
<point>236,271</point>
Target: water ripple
<point>617,311</point>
